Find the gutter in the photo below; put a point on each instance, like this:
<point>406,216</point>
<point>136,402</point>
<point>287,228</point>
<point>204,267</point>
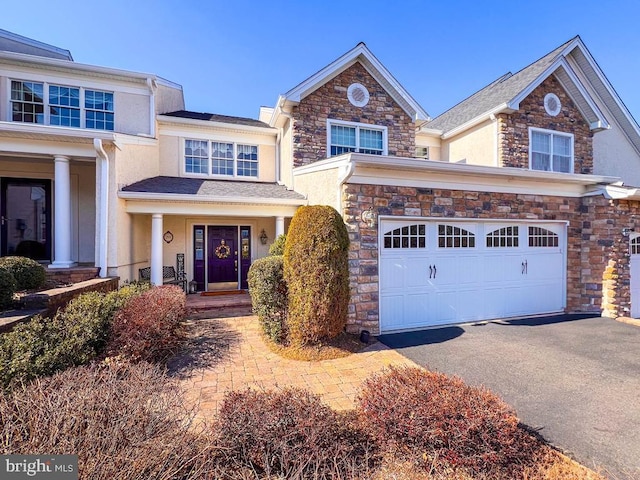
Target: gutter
<point>344,175</point>
<point>181,197</point>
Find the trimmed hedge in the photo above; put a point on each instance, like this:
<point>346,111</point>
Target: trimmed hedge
<point>123,421</point>
<point>433,416</point>
<point>291,434</point>
<point>8,287</point>
<point>149,327</point>
<point>74,336</point>
<point>268,292</point>
<point>316,270</point>
<point>28,273</point>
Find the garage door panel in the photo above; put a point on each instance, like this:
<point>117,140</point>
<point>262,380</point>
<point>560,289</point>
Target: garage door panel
<point>505,271</point>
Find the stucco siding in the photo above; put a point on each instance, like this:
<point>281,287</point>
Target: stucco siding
<point>615,156</point>
<point>168,99</point>
<point>477,146</point>
<point>132,113</point>
<point>321,188</point>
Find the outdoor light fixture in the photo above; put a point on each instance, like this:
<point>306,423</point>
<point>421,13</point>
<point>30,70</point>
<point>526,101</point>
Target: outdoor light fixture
<point>263,237</point>
<point>626,231</point>
<point>369,217</point>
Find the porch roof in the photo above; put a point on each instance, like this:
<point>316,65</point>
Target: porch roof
<point>200,189</point>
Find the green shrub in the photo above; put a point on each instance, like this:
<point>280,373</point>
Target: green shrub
<point>123,421</point>
<point>149,327</point>
<point>28,273</point>
<point>433,416</point>
<point>8,287</point>
<point>74,336</point>
<point>277,247</point>
<point>317,274</point>
<point>269,295</point>
<point>290,434</point>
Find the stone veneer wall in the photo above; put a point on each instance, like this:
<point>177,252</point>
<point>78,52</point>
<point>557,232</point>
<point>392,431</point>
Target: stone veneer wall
<point>330,101</point>
<point>597,255</point>
<point>513,129</point>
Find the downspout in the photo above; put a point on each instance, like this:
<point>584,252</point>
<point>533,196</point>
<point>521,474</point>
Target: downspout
<point>343,176</point>
<point>102,230</point>
<point>152,85</point>
<point>496,137</point>
<point>290,117</point>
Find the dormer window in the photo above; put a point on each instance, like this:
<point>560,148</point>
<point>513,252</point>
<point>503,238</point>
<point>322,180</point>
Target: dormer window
<point>550,151</point>
<point>346,137</point>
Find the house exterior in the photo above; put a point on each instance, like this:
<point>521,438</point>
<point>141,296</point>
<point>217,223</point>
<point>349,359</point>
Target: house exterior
<point>520,200</point>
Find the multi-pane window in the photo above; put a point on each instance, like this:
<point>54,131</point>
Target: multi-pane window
<point>64,106</point>
<point>503,237</point>
<point>450,236</point>
<point>541,237</point>
<point>356,138</point>
<point>196,156</point>
<point>27,102</point>
<point>551,152</point>
<point>229,159</point>
<point>247,161</point>
<point>411,236</point>
<point>99,109</point>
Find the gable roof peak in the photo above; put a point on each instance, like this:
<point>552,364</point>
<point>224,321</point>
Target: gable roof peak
<point>360,53</point>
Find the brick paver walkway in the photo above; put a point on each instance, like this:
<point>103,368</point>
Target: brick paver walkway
<point>250,363</point>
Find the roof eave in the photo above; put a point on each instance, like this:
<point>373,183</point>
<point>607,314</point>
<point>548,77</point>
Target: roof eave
<point>181,197</point>
<point>168,119</point>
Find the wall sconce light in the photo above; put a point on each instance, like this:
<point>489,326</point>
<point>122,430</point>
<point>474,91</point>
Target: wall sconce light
<point>263,237</point>
<point>369,217</point>
<point>626,231</point>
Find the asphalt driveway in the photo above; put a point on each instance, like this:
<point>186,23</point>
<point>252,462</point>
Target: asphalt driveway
<point>577,381</point>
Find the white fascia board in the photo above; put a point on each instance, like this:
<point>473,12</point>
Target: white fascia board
<point>326,164</point>
<point>94,70</point>
<point>125,139</point>
<point>616,192</point>
<point>432,132</point>
<point>600,74</point>
<point>208,209</point>
<point>208,199</point>
<point>49,132</point>
<point>504,108</point>
<point>342,63</point>
<point>169,120</point>
<point>583,91</point>
<point>457,169</point>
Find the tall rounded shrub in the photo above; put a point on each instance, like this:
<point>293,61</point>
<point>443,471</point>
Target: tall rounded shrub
<point>28,273</point>
<point>268,292</point>
<point>316,270</point>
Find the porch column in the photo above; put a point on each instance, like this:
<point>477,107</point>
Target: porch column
<point>156,249</point>
<point>62,214</point>
<point>279,226</point>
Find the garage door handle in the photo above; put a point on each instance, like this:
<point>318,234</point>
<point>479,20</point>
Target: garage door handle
<point>435,271</point>
<point>430,271</point>
<point>524,268</point>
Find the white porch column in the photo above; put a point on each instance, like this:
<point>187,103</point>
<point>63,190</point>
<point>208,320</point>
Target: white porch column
<point>62,214</point>
<point>279,226</point>
<point>156,249</point>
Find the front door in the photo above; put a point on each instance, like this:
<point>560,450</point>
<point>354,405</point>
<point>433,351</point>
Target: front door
<point>222,257</point>
<point>25,218</point>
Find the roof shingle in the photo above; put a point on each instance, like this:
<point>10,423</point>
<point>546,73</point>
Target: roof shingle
<point>213,117</point>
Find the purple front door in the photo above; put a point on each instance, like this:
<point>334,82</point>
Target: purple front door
<point>222,254</point>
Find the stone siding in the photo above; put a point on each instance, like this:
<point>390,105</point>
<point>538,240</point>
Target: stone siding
<point>597,252</point>
<point>513,129</point>
<point>330,102</point>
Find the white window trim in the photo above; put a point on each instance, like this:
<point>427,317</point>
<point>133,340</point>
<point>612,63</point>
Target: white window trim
<point>209,173</point>
<point>357,125</point>
<point>551,132</point>
<point>47,105</point>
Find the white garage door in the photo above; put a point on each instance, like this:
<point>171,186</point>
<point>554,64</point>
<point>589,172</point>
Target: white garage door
<point>634,250</point>
<point>441,272</point>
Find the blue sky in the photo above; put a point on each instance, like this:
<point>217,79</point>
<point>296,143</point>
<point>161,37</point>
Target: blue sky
<point>231,57</point>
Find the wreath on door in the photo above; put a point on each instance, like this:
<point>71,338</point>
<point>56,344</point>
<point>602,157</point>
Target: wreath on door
<point>222,250</point>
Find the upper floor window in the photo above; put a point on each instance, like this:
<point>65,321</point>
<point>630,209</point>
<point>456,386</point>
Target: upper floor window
<point>550,151</point>
<point>229,159</point>
<point>345,137</point>
<point>42,103</point>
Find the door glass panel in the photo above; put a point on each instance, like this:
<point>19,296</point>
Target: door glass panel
<point>24,221</point>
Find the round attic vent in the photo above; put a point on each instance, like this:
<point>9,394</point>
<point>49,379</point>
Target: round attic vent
<point>358,95</point>
<point>552,104</point>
